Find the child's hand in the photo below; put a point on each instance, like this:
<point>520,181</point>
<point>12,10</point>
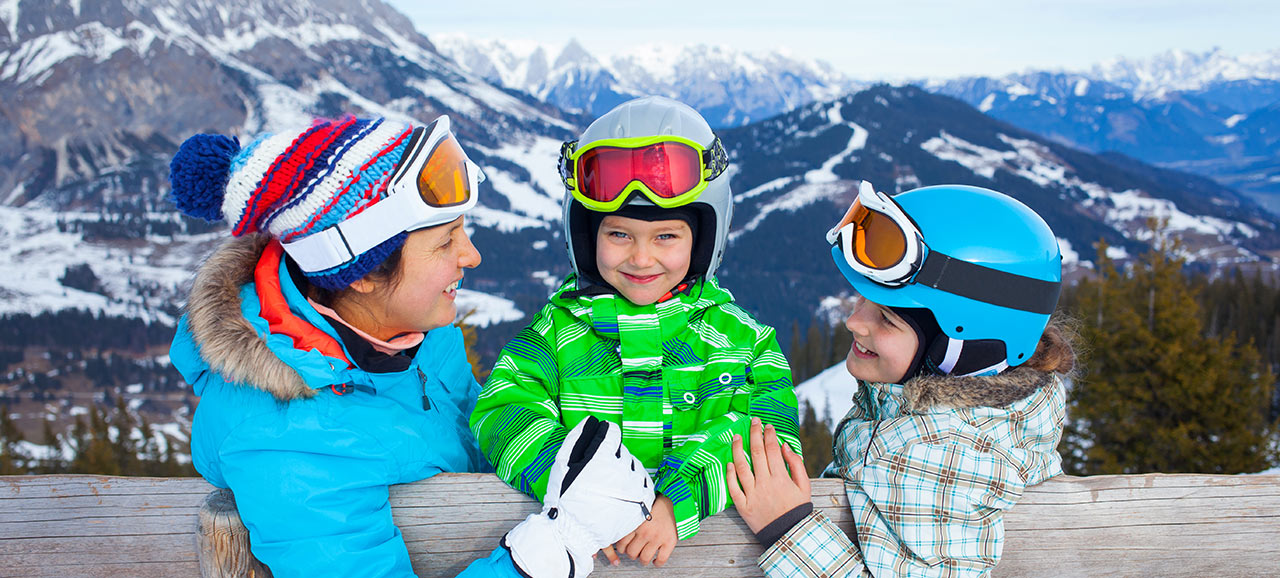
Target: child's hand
<point>764,490</point>
<point>653,541</point>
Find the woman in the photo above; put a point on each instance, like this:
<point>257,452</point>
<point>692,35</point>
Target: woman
<point>960,403</point>
<point>320,340</point>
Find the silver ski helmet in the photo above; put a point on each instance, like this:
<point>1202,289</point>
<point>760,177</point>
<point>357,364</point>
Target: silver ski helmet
<point>645,119</point>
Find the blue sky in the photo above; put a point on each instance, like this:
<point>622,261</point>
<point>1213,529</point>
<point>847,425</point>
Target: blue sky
<point>886,40</point>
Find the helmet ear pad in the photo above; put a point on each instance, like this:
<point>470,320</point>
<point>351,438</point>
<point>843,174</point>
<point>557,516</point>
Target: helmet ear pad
<point>704,240</point>
<point>582,229</point>
<point>940,354</point>
<point>949,356</point>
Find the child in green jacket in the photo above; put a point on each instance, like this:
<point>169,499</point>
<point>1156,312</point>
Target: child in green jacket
<point>641,334</point>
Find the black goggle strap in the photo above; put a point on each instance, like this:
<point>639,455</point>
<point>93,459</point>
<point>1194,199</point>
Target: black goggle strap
<point>715,159</point>
<point>988,285</point>
<point>566,162</point>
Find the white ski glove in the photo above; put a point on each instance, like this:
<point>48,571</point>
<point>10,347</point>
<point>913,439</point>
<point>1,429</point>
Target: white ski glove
<point>596,494</point>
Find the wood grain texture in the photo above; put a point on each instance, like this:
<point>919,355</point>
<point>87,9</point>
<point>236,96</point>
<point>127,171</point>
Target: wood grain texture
<point>1155,524</point>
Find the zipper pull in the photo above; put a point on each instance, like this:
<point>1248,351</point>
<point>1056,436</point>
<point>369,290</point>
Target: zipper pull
<point>426,401</point>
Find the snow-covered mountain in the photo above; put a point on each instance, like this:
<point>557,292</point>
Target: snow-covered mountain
<point>1204,113</point>
<point>1182,71</point>
<point>99,93</point>
<point>730,87</point>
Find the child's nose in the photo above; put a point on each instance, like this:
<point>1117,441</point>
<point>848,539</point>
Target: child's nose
<point>855,322</point>
<point>643,256</point>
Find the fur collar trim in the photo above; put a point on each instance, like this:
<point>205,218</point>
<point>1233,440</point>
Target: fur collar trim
<point>926,392</point>
<point>228,343</point>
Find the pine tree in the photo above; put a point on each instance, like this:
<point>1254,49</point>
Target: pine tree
<point>12,461</point>
<point>123,446</point>
<point>52,464</point>
<point>469,338</point>
<point>1160,394</point>
<point>95,453</point>
<point>815,440</point>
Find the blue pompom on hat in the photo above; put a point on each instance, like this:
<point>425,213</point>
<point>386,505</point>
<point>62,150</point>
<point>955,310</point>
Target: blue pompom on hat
<point>292,184</point>
<point>198,174</point>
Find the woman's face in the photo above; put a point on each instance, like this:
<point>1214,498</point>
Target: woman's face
<point>884,345</point>
<point>423,298</point>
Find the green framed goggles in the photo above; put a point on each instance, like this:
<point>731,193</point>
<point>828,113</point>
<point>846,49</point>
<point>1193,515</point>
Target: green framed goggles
<point>670,170</point>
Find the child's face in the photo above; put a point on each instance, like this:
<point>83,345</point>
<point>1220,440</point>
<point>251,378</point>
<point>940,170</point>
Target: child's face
<point>883,343</point>
<point>643,260</point>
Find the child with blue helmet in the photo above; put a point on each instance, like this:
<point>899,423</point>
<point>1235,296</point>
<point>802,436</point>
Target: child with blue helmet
<point>960,404</point>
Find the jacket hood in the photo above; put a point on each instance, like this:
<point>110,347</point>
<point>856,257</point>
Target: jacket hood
<point>926,392</point>
<point>227,341</point>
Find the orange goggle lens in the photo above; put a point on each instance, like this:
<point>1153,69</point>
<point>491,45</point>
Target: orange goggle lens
<point>878,242</point>
<point>443,179</point>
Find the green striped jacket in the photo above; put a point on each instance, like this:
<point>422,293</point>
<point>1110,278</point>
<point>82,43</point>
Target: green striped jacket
<point>681,377</point>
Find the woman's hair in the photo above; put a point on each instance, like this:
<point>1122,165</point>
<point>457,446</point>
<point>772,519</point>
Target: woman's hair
<point>1056,351</point>
<point>387,272</point>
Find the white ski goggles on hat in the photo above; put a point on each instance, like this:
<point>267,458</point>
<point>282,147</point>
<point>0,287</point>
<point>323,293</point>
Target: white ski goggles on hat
<point>433,183</point>
<point>878,240</point>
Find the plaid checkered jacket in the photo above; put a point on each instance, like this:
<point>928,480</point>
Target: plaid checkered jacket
<point>929,469</point>
<point>681,377</point>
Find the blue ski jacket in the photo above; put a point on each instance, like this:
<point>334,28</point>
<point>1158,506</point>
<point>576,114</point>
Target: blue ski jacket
<point>307,441</point>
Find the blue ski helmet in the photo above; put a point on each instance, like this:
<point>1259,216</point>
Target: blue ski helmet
<point>987,267</point>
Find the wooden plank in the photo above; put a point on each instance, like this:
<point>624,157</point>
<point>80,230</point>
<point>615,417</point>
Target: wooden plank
<point>1168,525</point>
<point>1155,524</point>
<point>97,526</point>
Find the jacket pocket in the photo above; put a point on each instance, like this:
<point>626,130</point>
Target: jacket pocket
<point>711,392</point>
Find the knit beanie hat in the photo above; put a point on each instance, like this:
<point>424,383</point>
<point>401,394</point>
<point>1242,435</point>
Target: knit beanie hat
<point>295,183</point>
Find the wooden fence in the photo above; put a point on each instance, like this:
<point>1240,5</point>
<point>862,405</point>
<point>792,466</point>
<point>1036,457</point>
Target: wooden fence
<point>1146,525</point>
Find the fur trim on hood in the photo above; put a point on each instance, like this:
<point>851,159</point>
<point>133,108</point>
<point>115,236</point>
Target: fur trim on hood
<point>926,392</point>
<point>227,341</point>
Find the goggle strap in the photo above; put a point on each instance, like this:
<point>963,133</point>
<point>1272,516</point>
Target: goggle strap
<point>566,162</point>
<point>345,241</point>
<point>715,159</point>
<point>342,243</point>
<point>988,285</point>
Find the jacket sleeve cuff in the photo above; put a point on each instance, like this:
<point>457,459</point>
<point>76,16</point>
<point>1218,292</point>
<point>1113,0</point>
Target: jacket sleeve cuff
<point>815,548</point>
<point>684,504</point>
<point>769,534</point>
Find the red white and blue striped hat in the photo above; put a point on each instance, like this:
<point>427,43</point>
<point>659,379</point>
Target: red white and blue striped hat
<point>294,184</point>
